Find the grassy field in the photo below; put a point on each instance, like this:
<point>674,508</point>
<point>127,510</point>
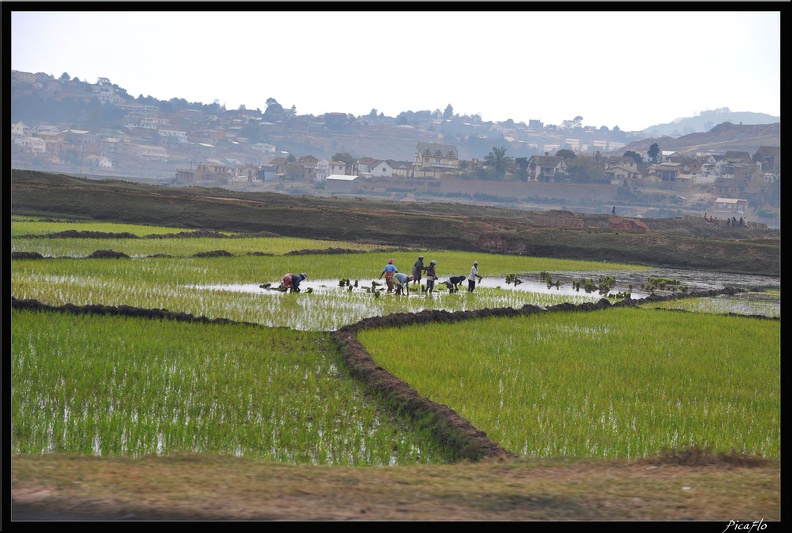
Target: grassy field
<point>618,383</point>
<point>194,394</point>
<point>120,386</point>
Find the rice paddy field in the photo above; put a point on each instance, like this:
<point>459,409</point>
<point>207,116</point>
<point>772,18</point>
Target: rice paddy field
<point>624,382</point>
<point>120,386</point>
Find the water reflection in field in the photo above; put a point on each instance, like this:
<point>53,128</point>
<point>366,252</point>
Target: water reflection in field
<point>326,304</point>
<point>627,281</point>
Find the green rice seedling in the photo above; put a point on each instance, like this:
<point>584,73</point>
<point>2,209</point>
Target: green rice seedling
<point>36,226</point>
<point>178,247</point>
<point>623,382</point>
<point>229,287</point>
<point>765,304</point>
<point>120,386</point>
<point>222,288</point>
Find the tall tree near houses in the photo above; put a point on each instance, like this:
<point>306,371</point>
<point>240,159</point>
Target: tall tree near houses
<point>346,158</point>
<point>522,164</point>
<point>653,153</point>
<point>565,153</point>
<point>498,161</point>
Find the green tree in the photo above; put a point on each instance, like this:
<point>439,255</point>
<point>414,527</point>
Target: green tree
<point>498,161</point>
<point>583,169</point>
<point>565,154</point>
<point>449,112</point>
<point>344,157</point>
<point>522,164</point>
<point>65,76</point>
<point>635,156</point>
<point>274,109</point>
<point>653,153</point>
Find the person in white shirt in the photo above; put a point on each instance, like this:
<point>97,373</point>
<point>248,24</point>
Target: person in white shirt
<point>474,274</point>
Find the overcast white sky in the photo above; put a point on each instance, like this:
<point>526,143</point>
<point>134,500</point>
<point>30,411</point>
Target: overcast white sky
<point>631,69</point>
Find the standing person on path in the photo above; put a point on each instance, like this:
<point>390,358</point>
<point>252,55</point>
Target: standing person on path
<point>417,268</point>
<point>474,274</point>
<point>613,211</point>
<point>431,276</point>
<point>389,271</point>
<point>401,281</point>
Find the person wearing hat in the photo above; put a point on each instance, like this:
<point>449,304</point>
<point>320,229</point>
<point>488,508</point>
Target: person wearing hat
<point>402,281</point>
<point>417,268</point>
<point>292,281</point>
<point>389,270</point>
<point>431,276</point>
<point>474,274</point>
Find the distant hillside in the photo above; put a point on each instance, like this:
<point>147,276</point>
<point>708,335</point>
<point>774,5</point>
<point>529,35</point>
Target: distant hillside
<point>708,120</point>
<point>725,136</point>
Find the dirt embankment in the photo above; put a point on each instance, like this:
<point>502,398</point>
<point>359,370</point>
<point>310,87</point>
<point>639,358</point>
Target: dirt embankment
<point>689,243</point>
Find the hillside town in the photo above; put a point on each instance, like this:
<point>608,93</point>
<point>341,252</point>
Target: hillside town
<point>76,127</point>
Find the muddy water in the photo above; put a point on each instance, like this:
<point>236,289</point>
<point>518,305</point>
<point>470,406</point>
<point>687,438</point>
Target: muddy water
<point>331,306</point>
<point>626,281</point>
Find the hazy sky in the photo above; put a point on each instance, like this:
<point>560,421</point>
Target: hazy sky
<point>631,69</point>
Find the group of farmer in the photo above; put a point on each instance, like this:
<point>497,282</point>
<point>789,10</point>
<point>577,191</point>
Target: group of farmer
<point>399,282</point>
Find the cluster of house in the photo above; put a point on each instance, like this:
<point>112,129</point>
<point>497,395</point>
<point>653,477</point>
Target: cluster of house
<point>729,173</point>
<point>700,169</point>
<point>82,147</point>
<point>431,160</point>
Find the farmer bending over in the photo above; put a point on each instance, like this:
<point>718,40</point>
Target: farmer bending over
<point>401,281</point>
<point>292,281</point>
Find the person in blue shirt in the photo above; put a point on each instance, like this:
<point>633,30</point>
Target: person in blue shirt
<point>389,270</point>
<point>401,282</point>
<point>296,281</point>
<point>292,281</point>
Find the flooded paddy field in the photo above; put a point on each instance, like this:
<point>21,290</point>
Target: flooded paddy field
<point>332,303</point>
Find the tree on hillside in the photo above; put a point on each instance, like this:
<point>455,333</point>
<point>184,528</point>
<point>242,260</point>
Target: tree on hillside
<point>274,109</point>
<point>449,112</point>
<point>653,153</point>
<point>65,76</point>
